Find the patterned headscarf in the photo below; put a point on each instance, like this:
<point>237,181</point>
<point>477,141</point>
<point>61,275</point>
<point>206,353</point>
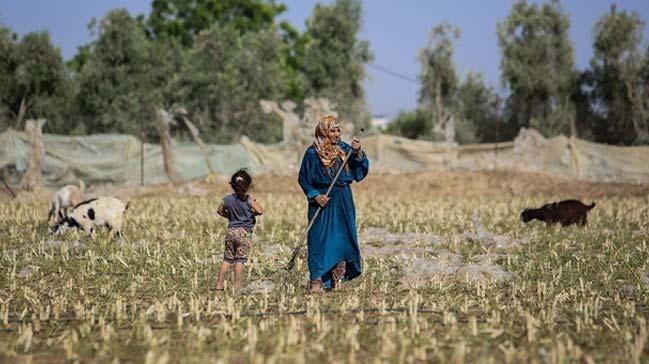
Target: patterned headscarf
<point>327,150</point>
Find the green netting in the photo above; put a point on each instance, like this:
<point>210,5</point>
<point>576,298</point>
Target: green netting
<point>116,158</point>
<point>112,158</point>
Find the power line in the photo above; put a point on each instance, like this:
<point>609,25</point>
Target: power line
<point>393,73</point>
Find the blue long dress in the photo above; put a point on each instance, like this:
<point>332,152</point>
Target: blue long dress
<point>332,237</point>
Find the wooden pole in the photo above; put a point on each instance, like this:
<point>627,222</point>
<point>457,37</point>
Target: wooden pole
<point>33,177</point>
<point>193,130</point>
<point>141,152</point>
<point>13,194</point>
<point>163,119</point>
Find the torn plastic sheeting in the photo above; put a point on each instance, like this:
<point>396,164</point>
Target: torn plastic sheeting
<point>374,234</point>
<point>450,266</point>
<point>259,287</point>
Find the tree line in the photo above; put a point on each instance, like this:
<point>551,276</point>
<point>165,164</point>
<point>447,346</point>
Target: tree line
<point>608,102</point>
<point>214,58</point>
<point>218,58</point>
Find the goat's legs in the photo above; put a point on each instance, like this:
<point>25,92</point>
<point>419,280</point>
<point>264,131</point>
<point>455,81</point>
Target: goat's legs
<point>117,232</point>
<point>51,214</point>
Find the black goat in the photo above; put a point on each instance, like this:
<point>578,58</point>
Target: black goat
<point>565,212</point>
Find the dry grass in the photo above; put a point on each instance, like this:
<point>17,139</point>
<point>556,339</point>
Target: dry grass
<point>573,295</point>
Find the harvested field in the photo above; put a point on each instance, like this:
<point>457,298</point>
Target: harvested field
<point>451,274</point>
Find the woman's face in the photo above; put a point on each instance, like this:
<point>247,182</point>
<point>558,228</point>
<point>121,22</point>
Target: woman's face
<point>334,135</point>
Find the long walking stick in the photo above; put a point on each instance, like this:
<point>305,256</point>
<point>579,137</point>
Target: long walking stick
<point>297,249</point>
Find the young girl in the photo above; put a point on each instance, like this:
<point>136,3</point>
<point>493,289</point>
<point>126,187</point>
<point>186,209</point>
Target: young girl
<point>240,208</point>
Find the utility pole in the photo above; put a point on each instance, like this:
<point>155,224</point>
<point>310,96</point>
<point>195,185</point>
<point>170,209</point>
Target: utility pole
<point>497,125</point>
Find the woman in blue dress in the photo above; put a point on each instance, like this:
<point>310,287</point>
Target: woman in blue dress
<point>334,253</point>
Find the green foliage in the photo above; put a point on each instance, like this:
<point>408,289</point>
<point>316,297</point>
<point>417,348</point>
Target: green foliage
<point>80,59</point>
<point>334,58</point>
<point>619,80</point>
<point>225,78</point>
<point>217,59</point>
<point>124,77</point>
<point>438,77</point>
<point>216,86</point>
<point>184,20</point>
<point>537,65</point>
<point>470,104</point>
<point>293,59</point>
<point>33,79</point>
<point>477,110</point>
<point>111,82</point>
<point>585,117</point>
<point>417,124</point>
<point>8,65</point>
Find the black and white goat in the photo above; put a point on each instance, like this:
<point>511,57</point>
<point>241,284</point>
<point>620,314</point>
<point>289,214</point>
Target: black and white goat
<point>565,212</point>
<point>94,213</point>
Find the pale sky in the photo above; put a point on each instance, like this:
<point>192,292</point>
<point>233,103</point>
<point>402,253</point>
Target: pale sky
<point>396,30</point>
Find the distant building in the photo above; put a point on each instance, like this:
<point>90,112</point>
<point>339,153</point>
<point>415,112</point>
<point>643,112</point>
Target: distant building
<point>380,121</point>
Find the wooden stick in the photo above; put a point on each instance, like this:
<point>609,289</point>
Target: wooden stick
<point>13,194</point>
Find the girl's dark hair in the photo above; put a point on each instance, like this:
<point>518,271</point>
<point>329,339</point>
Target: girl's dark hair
<point>241,182</point>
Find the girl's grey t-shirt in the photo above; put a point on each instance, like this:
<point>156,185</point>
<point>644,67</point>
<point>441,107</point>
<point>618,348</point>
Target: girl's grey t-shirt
<point>241,214</point>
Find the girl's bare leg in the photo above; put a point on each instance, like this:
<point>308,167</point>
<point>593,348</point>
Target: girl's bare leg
<point>238,275</point>
<point>222,272</point>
